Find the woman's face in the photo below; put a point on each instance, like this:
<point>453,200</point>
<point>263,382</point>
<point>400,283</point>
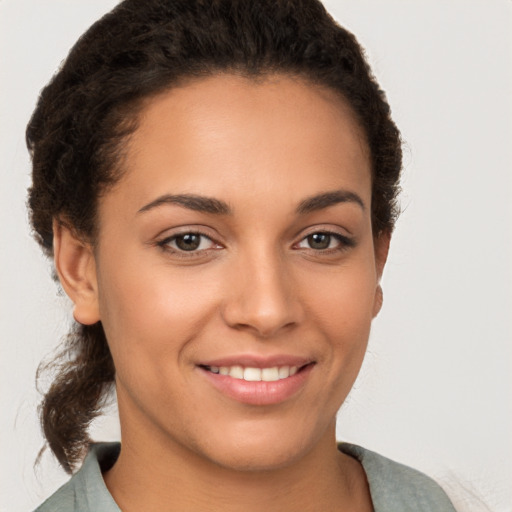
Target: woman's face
<point>236,247</point>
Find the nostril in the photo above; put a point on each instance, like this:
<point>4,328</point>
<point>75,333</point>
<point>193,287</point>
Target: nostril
<point>262,300</point>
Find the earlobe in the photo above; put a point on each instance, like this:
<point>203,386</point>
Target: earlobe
<point>76,267</point>
<point>378,300</point>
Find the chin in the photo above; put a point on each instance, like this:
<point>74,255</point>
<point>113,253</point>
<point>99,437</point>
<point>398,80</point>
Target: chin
<point>258,449</point>
<point>247,460</point>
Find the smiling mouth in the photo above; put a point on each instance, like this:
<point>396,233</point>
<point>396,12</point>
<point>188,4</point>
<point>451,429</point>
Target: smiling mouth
<point>252,374</point>
<point>252,382</point>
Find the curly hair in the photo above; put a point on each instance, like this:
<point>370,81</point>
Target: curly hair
<point>84,115</point>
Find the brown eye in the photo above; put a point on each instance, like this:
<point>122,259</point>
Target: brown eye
<point>319,241</point>
<point>188,242</point>
<point>326,241</point>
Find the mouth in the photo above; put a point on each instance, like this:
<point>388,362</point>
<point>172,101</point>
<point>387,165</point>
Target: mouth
<point>254,374</point>
<point>258,385</point>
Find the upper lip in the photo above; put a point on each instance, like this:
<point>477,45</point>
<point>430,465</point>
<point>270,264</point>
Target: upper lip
<point>258,361</point>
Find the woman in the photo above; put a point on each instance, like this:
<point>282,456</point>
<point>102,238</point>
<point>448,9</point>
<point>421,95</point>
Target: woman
<point>216,183</point>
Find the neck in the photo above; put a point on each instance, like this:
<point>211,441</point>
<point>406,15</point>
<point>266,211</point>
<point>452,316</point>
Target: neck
<point>167,477</point>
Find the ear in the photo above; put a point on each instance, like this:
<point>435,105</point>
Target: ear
<point>381,246</point>
<point>76,267</point>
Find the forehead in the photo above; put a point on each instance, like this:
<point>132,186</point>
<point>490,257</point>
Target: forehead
<point>229,135</point>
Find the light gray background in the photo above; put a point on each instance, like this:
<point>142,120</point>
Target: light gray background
<point>436,388</point>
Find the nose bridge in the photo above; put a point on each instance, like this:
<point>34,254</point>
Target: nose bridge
<point>262,297</point>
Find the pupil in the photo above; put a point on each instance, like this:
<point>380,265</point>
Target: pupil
<point>188,242</point>
<point>319,241</point>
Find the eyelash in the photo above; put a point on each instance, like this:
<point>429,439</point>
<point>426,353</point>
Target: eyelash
<point>164,244</point>
<point>344,243</point>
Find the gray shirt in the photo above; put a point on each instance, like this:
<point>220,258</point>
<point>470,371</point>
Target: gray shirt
<point>393,487</point>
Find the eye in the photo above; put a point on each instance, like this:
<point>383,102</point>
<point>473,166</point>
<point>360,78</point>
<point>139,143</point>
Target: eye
<point>323,241</point>
<point>319,241</point>
<point>187,242</point>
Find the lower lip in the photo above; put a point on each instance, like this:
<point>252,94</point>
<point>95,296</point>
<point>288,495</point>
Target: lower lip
<point>260,392</point>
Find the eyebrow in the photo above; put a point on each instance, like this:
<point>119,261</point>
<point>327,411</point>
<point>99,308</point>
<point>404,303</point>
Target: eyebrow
<point>192,202</point>
<point>218,207</point>
<point>326,199</point>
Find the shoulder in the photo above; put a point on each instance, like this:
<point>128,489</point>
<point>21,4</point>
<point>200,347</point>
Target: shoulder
<point>63,500</point>
<point>86,490</point>
<point>395,487</point>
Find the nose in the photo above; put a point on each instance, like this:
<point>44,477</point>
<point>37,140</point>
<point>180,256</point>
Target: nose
<point>262,297</point>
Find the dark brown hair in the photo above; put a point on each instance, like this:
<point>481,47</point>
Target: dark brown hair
<point>90,107</point>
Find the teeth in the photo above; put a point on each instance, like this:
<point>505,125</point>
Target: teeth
<point>284,372</point>
<point>237,372</point>
<point>270,374</point>
<point>252,374</point>
<point>256,374</point>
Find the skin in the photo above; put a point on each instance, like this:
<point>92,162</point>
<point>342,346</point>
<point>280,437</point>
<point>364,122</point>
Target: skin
<point>254,285</point>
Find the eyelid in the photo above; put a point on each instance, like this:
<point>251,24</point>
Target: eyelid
<point>324,228</point>
<point>345,241</point>
<point>163,242</point>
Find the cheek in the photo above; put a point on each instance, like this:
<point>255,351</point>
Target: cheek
<point>342,310</point>
<point>343,300</point>
<point>151,313</point>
